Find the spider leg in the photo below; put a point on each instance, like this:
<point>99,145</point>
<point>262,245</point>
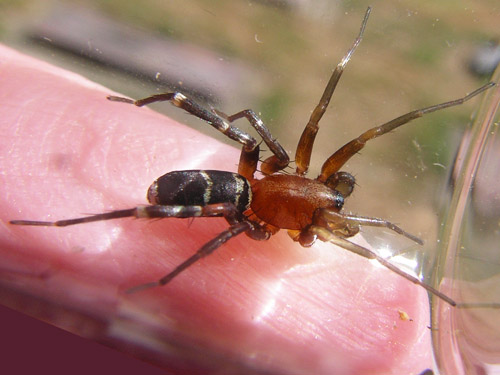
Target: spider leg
<point>342,155</point>
<point>348,225</point>
<point>326,235</point>
<point>280,158</point>
<point>227,210</point>
<point>248,163</point>
<point>211,117</point>
<point>306,142</point>
<point>207,249</point>
<point>222,123</point>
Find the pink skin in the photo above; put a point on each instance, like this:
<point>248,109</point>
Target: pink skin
<point>66,151</point>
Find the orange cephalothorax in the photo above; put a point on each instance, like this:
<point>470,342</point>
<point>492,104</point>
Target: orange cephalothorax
<point>289,201</point>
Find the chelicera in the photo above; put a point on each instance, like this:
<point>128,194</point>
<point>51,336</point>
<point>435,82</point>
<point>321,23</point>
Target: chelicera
<point>309,209</point>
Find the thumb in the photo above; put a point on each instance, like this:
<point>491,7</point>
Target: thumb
<point>251,307</point>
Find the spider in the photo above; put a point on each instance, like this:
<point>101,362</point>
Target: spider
<point>309,209</point>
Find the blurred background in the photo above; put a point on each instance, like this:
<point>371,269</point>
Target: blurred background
<point>276,57</point>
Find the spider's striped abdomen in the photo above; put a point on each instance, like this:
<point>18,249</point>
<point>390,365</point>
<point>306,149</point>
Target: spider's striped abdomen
<point>200,188</point>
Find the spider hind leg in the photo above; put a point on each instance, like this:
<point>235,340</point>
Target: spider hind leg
<point>205,250</point>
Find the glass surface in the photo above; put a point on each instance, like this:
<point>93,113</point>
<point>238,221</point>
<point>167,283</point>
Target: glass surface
<point>467,338</point>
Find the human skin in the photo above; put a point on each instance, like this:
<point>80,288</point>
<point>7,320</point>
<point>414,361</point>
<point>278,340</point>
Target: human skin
<point>252,307</point>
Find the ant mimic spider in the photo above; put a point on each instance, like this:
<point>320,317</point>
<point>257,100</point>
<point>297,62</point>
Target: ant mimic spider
<point>309,209</point>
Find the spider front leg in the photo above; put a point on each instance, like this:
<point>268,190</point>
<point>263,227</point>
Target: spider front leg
<point>342,155</point>
<point>348,225</point>
<point>222,123</point>
<point>326,235</point>
<point>306,142</point>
